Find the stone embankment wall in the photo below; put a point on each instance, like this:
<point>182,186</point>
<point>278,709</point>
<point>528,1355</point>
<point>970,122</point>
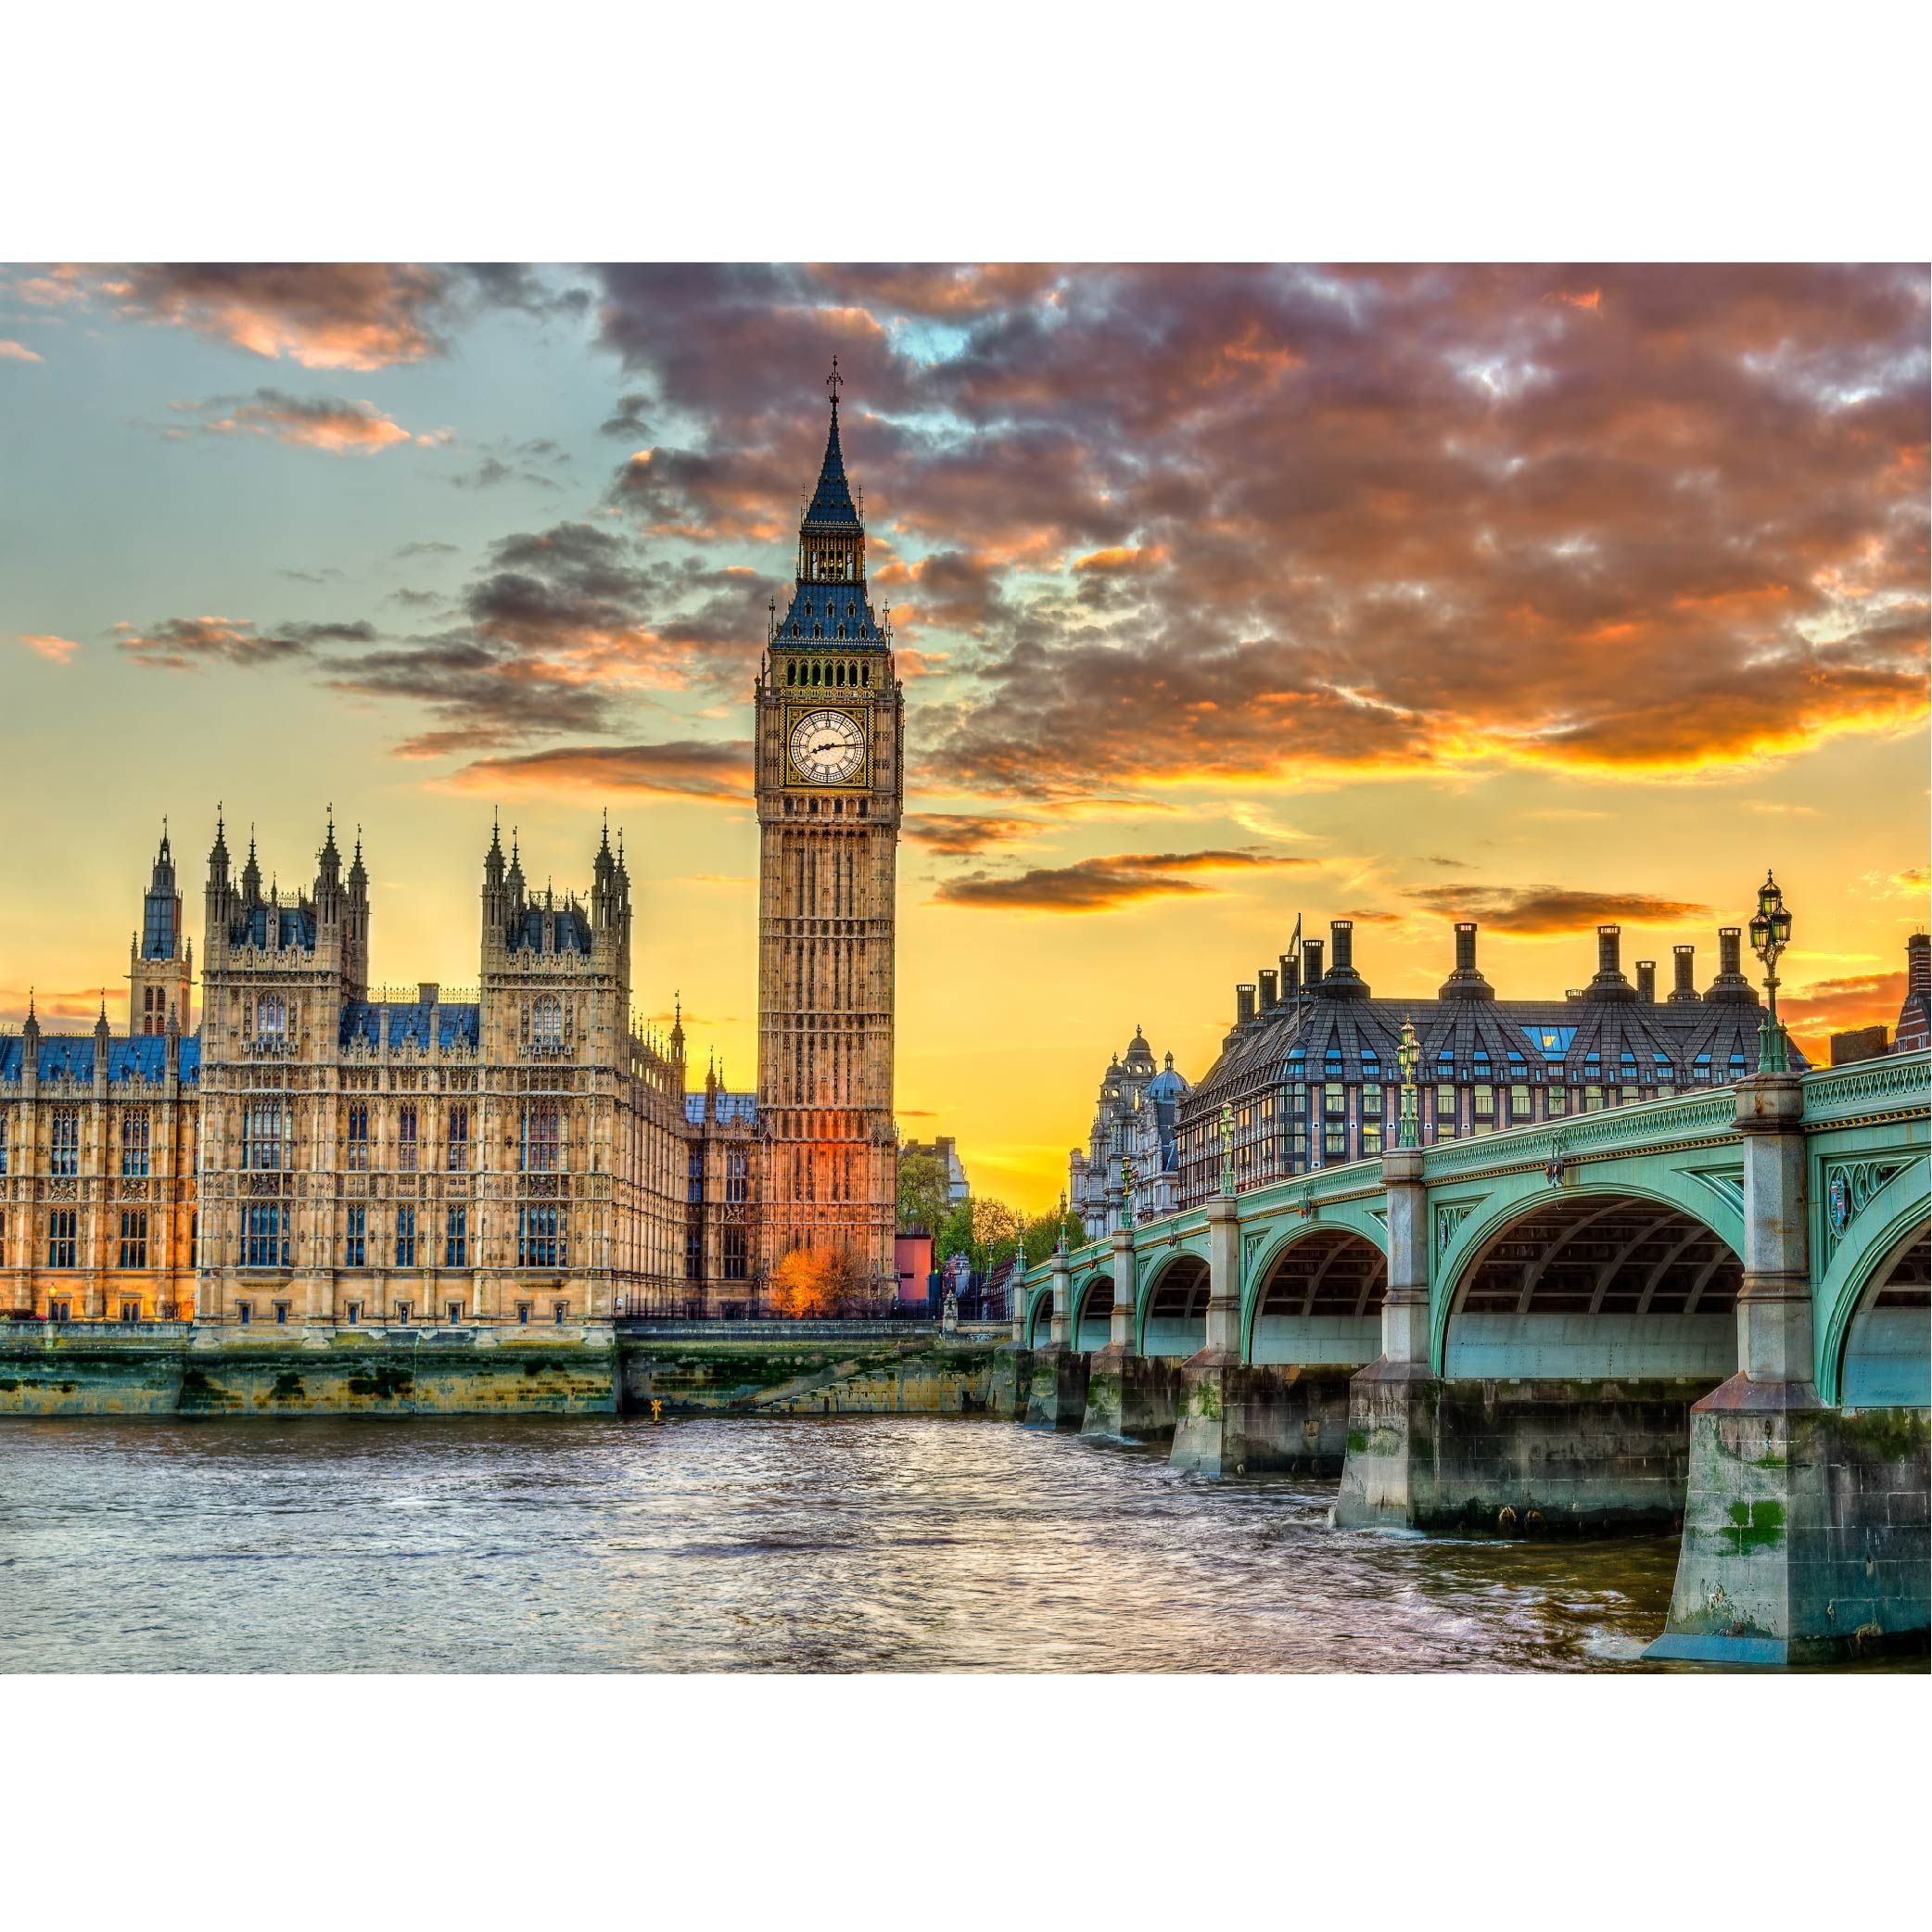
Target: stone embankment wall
<point>174,1369</point>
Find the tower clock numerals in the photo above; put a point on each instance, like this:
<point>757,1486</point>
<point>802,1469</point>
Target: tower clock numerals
<point>828,747</point>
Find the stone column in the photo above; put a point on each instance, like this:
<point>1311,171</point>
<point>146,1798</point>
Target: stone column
<point>1012,1365</point>
<point>1768,1519</point>
<point>1393,1404</point>
<point>1212,1422</point>
<point>1057,1394</point>
<point>1129,1398</point>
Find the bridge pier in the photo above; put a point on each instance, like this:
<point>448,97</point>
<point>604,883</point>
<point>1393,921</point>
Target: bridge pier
<point>1805,1529</point>
<point>1393,1403</point>
<point>1130,1397</point>
<point>1012,1383</point>
<point>1056,1390</point>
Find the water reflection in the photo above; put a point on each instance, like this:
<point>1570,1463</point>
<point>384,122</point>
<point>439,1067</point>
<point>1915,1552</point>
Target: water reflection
<point>879,1543</point>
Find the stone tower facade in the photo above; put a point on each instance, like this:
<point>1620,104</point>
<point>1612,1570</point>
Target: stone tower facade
<point>161,957</point>
<point>828,743</point>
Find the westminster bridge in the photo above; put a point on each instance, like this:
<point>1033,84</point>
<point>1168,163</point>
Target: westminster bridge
<point>1710,1310</point>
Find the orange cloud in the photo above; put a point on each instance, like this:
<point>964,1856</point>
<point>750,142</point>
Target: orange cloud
<point>1099,884</point>
<point>332,424</point>
<point>56,650</point>
<point>16,352</point>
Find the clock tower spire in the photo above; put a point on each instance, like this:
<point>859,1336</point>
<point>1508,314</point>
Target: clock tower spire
<point>830,728</point>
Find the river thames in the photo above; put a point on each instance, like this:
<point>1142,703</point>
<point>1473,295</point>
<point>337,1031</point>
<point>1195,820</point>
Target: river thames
<point>872,1544</point>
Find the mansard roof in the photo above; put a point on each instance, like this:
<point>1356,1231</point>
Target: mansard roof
<point>1312,1039</point>
<point>69,1056</point>
<point>388,1024</point>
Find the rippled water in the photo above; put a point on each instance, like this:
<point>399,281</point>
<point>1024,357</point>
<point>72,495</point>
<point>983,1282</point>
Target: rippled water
<point>875,1544</point>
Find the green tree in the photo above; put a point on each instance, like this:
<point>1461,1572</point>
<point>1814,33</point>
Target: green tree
<point>923,1193</point>
<point>1044,1230</point>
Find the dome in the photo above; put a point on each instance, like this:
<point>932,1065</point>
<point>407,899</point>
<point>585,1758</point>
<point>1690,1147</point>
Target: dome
<point>1138,1052</point>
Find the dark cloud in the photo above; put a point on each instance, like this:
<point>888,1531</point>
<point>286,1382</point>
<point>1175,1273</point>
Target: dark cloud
<point>187,643</point>
<point>509,462</point>
<point>1550,909</point>
<point>683,768</point>
<point>426,550</point>
<point>960,834</point>
<point>1096,884</point>
<point>627,417</point>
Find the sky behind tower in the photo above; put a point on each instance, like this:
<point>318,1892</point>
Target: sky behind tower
<point>1541,596</point>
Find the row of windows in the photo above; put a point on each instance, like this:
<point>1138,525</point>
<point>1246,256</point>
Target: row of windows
<point>403,1312</point>
<point>64,1142</point>
<point>737,1175</point>
<point>268,1138</point>
<point>813,672</point>
<point>64,1238</point>
<point>265,1242</point>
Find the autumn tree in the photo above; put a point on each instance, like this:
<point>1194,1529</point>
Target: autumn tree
<point>923,1193</point>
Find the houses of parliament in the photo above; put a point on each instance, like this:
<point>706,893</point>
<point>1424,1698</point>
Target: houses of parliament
<point>318,1151</point>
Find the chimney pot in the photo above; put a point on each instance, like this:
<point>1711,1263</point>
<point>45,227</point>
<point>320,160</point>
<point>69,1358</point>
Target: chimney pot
<point>1270,998</point>
<point>1609,941</point>
<point>1243,1004</point>
<point>1290,977</point>
<point>1311,964</point>
<point>1684,959</point>
<point>1647,981</point>
<point>1465,946</point>
<point>1730,950</point>
<point>1342,931</point>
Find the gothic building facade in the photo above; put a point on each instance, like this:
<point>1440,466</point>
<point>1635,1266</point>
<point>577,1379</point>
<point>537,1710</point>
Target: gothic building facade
<point>322,1151</point>
<point>830,728</point>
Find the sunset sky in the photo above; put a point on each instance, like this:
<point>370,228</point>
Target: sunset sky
<point>1542,596</point>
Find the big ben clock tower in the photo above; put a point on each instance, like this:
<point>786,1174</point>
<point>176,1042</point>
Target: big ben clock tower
<point>831,720</point>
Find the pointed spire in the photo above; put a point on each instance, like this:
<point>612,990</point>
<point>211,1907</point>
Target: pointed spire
<point>831,501</point>
<point>32,1029</point>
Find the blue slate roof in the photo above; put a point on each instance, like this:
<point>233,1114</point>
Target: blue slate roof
<point>380,1022</point>
<point>818,610</point>
<point>266,926</point>
<point>731,1110</point>
<point>573,930</point>
<point>832,505</point>
<point>69,1056</point>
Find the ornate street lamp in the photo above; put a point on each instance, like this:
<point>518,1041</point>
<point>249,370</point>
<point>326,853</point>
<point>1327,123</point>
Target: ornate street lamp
<point>1060,1241</point>
<point>1770,934</point>
<point>1408,1057</point>
<point>1228,1146</point>
<point>1126,1192</point>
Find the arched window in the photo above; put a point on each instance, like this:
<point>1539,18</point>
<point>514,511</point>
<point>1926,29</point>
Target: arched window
<point>271,1021</point>
<point>841,633</point>
<point>818,630</point>
<point>547,1023</point>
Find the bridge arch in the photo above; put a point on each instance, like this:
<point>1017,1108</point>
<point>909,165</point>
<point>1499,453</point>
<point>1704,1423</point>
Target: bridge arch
<point>1092,1311</point>
<point>1870,1302</point>
<point>1171,1310</point>
<point>1039,1316</point>
<point>1316,1298</point>
<point>1603,1283</point>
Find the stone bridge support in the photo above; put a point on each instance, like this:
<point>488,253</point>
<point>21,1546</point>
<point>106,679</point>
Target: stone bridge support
<point>1234,1417</point>
<point>1130,1397</point>
<point>1388,1478</point>
<point>1057,1392</point>
<point>1804,1527</point>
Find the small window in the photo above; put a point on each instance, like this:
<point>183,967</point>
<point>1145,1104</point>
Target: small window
<point>282,1314</point>
<point>244,1314</point>
<point>523,1312</point>
<point>131,1311</point>
<point>354,1313</point>
<point>556,1309</point>
<point>455,1312</point>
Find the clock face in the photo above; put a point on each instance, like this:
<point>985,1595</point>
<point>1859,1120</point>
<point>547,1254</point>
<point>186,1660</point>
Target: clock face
<point>828,747</point>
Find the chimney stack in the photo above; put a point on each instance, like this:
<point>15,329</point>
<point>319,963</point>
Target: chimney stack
<point>1646,981</point>
<point>1243,1005</point>
<point>1291,977</point>
<point>1609,983</point>
<point>1466,982</point>
<point>1270,998</point>
<point>1342,981</point>
<point>1311,965</point>
<point>1918,965</point>
<point>1685,958</point>
<point>1730,987</point>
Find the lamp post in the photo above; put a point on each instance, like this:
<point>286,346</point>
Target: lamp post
<point>1127,1193</point>
<point>1228,1146</point>
<point>1770,934</point>
<point>1408,1057</point>
<point>1060,1237</point>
